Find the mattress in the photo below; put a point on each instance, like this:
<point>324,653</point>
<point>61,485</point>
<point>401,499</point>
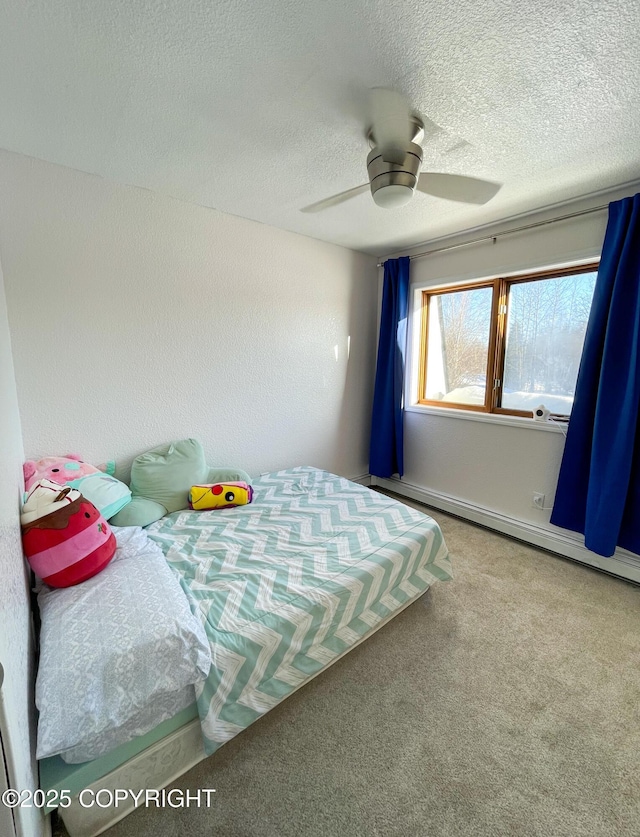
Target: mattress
<point>56,774</point>
<point>287,584</point>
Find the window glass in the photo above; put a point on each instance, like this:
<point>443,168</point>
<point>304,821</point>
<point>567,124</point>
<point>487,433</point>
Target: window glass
<point>458,346</point>
<point>546,324</point>
<point>506,345</point>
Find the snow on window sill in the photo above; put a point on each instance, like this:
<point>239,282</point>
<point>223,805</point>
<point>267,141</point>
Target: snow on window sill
<point>492,418</point>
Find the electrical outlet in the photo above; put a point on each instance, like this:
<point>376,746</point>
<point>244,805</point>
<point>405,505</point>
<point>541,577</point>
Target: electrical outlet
<point>537,501</point>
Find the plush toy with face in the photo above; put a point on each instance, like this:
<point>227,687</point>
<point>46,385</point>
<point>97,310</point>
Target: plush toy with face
<point>98,485</point>
<point>65,538</point>
<point>60,469</point>
<point>222,495</point>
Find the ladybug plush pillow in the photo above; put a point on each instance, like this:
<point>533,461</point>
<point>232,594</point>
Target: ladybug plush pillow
<point>65,538</point>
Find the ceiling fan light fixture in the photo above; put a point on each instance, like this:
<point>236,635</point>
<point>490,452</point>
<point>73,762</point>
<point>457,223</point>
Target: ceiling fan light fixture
<point>393,196</point>
<point>393,184</point>
<point>394,164</point>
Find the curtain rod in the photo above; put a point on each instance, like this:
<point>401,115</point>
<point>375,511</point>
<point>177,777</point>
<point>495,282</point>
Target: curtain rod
<point>506,232</point>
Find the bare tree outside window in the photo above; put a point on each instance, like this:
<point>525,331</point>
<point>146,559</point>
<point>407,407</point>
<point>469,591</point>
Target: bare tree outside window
<point>459,341</point>
<point>507,357</point>
<point>545,332</point>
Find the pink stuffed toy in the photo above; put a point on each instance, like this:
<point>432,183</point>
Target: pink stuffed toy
<point>107,494</point>
<point>61,469</point>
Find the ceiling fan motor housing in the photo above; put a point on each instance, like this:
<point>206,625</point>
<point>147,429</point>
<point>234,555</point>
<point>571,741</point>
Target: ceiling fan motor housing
<point>403,177</point>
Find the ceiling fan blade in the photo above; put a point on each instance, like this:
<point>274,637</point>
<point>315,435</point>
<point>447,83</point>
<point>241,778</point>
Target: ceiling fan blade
<point>334,200</point>
<point>456,187</point>
<point>390,123</point>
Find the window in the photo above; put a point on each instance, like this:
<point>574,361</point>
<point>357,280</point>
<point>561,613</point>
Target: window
<point>506,345</point>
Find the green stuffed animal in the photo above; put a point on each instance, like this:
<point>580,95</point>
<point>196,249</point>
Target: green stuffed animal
<point>161,480</point>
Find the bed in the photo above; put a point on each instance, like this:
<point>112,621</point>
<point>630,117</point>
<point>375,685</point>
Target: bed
<point>284,587</point>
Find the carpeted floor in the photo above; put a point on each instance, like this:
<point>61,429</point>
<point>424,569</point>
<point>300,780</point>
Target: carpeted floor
<point>504,702</point>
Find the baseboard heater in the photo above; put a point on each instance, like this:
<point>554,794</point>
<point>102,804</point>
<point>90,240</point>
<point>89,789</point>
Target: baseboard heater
<point>622,564</point>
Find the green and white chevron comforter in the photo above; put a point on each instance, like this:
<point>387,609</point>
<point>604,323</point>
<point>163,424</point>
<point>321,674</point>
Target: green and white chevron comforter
<point>287,584</point>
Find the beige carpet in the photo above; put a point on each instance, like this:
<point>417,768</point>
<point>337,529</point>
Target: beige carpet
<point>504,702</point>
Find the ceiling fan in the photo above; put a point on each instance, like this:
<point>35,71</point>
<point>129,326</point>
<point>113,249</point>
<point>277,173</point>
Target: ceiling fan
<point>395,159</point>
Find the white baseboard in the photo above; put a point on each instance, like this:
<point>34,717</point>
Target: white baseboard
<point>363,479</point>
<point>624,564</point>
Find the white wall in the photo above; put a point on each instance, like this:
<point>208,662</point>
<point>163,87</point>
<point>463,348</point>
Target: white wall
<point>137,319</point>
<point>485,470</point>
<point>17,709</point>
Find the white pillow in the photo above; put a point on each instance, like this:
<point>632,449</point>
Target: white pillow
<point>113,644</point>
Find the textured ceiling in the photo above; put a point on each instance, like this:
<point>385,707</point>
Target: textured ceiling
<point>259,109</point>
